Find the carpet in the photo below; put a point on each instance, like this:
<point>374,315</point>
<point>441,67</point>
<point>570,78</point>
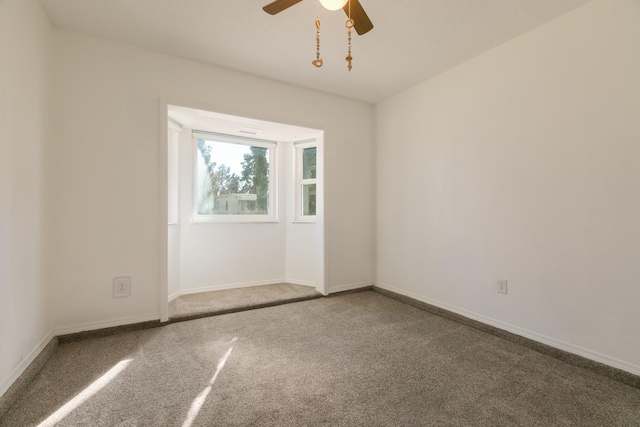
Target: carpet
<point>358,359</point>
<point>192,306</point>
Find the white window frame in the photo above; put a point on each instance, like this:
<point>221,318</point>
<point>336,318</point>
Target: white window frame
<point>299,181</point>
<point>272,216</point>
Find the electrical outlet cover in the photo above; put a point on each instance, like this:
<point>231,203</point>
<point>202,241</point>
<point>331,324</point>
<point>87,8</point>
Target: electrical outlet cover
<point>502,286</point>
<point>121,286</point>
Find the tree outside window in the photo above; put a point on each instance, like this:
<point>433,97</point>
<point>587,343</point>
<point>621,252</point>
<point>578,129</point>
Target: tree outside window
<point>233,178</point>
<point>306,181</point>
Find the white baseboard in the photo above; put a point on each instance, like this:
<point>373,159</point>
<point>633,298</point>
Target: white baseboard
<point>25,362</point>
<point>301,282</point>
<point>561,345</point>
<point>225,287</point>
<point>349,287</point>
<point>71,329</point>
<point>174,295</point>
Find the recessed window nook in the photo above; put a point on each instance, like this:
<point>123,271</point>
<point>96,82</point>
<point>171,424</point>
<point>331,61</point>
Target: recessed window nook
<point>244,203</point>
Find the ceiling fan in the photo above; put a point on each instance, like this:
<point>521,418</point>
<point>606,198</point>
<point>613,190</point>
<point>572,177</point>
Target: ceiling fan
<point>361,21</point>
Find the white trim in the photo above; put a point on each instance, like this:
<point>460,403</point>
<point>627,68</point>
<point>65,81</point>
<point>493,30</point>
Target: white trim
<point>163,201</point>
<point>174,125</point>
<point>306,143</point>
<point>174,295</point>
<point>322,266</point>
<point>173,176</point>
<point>91,326</point>
<point>349,287</point>
<point>225,287</point>
<point>230,219</point>
<point>301,282</point>
<point>25,362</point>
<point>561,345</point>
<point>232,139</point>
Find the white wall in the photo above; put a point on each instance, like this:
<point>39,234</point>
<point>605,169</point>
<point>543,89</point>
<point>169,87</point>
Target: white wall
<point>25,192</point>
<point>107,173</point>
<point>173,260</point>
<point>524,164</point>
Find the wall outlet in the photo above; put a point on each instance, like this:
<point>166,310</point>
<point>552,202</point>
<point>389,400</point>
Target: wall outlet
<point>502,286</point>
<point>121,286</point>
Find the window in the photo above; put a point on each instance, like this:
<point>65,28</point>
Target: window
<point>234,178</point>
<point>306,181</point>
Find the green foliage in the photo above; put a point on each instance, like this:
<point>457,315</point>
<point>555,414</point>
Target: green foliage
<point>254,178</point>
<point>309,163</point>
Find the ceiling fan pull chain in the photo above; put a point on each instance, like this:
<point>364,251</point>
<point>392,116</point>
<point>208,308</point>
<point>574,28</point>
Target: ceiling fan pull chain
<point>318,61</point>
<point>349,25</point>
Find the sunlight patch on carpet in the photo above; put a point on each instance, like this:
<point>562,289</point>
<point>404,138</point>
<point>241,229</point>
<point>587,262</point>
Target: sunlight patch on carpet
<point>85,394</point>
<point>197,403</point>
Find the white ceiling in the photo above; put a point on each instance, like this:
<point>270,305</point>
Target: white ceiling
<point>210,121</point>
<point>413,40</point>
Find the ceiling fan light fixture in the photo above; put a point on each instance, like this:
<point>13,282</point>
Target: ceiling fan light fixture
<point>333,4</point>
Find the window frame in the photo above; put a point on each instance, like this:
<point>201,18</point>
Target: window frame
<point>299,148</point>
<point>272,215</point>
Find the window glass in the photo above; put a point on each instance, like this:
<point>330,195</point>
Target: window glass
<point>305,181</point>
<point>232,179</point>
<point>309,163</point>
<point>308,199</point>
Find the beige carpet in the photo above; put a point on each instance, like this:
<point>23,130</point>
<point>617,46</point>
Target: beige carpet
<point>205,304</point>
<point>359,359</point>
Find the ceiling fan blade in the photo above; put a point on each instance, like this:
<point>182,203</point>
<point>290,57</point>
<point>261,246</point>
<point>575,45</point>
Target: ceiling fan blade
<point>361,21</point>
<point>279,5</point>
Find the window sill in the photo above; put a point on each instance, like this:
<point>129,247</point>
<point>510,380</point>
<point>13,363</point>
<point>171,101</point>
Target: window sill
<point>233,219</point>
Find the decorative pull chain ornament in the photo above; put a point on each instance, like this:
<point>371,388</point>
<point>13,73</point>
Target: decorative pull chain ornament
<point>349,24</point>
<point>358,20</point>
<point>318,61</point>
